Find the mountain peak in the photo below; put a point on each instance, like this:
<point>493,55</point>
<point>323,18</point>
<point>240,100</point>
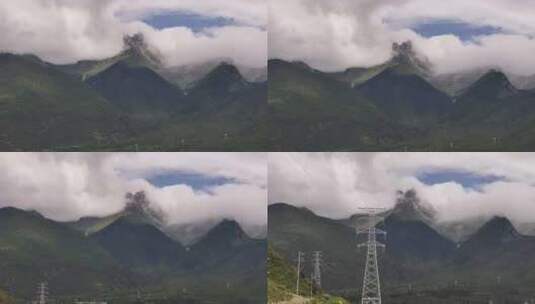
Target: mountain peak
<point>226,232</point>
<point>136,41</point>
<point>226,69</point>
<point>493,84</point>
<point>495,76</point>
<point>139,209</point>
<point>406,60</point>
<point>410,207</point>
<point>499,224</point>
<point>497,229</point>
<point>138,52</point>
<point>229,228</point>
<point>221,80</point>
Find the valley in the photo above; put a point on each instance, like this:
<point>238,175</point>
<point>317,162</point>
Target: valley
<point>400,105</point>
<point>129,102</point>
<point>128,257</point>
<point>421,262</point>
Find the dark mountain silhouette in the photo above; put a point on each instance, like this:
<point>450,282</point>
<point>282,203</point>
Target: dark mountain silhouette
<point>128,251</point>
<point>42,107</point>
<point>409,107</point>
<point>402,91</point>
<point>415,252</point>
<point>127,102</point>
<point>33,249</point>
<point>140,246</point>
<point>492,85</point>
<point>136,89</point>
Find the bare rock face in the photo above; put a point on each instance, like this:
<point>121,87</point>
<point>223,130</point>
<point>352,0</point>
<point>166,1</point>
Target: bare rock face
<point>137,204</point>
<point>404,54</point>
<point>137,46</point>
<point>409,206</point>
<point>136,41</point>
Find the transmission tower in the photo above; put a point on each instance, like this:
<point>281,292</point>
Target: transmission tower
<point>42,293</point>
<point>300,261</point>
<point>371,286</point>
<point>316,266</point>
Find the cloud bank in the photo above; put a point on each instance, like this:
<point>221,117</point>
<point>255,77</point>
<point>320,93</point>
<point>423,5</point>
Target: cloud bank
<point>65,31</point>
<point>336,185</point>
<point>68,186</point>
<point>334,35</point>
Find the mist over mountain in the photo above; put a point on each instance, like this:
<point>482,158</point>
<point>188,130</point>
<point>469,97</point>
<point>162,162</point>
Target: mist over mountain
<point>128,251</point>
<point>458,37</point>
<point>410,105</point>
<point>132,100</point>
<point>416,253</point>
<point>185,76</point>
<point>182,33</point>
<point>410,208</point>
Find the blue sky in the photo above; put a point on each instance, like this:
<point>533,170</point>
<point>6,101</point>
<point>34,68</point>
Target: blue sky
<point>465,31</point>
<point>467,179</point>
<point>198,182</point>
<point>180,19</point>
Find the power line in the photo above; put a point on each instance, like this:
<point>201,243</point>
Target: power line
<point>371,285</point>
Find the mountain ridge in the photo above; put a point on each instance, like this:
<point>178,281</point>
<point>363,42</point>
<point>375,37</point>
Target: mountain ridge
<point>415,251</point>
<point>124,255</point>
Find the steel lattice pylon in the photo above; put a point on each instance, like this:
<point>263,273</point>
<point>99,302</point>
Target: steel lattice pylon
<point>371,286</point>
<point>316,264</point>
<point>42,293</point>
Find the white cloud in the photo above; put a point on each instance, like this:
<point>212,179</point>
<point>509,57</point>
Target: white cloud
<point>338,184</point>
<point>64,31</point>
<point>333,35</point>
<point>68,186</point>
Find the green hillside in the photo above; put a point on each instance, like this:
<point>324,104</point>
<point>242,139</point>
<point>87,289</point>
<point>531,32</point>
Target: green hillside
<point>126,103</point>
<point>282,283</point>
<point>140,246</point>
<point>309,110</point>
<point>282,278</point>
<point>42,108</point>
<point>418,264</point>
<point>407,97</point>
<point>136,90</point>
<point>128,257</point>
<point>395,106</point>
<point>34,249</point>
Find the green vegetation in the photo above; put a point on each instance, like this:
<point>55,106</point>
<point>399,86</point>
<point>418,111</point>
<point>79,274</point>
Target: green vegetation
<point>309,110</point>
<point>34,249</point>
<point>282,279</point>
<point>418,263</point>
<point>126,254</point>
<point>41,107</point>
<point>124,103</point>
<point>395,107</point>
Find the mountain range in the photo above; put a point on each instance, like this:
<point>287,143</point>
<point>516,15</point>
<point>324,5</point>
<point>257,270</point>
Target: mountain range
<point>128,253</point>
<point>418,252</point>
<point>399,105</point>
<point>131,101</point>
